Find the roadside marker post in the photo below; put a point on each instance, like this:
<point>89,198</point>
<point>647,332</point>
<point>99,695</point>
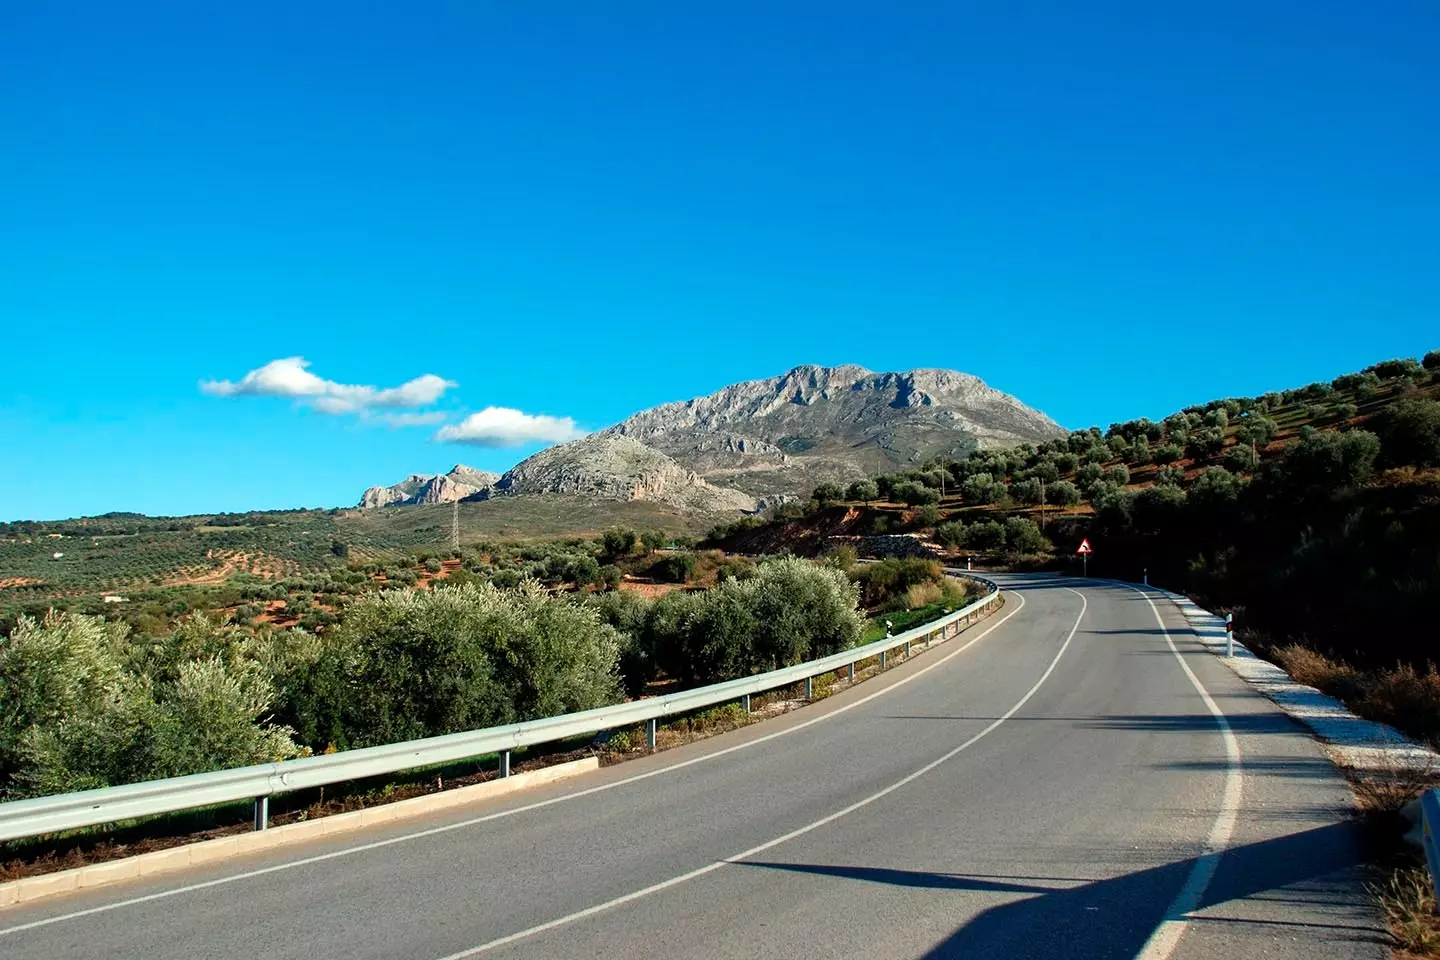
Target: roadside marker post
<point>1085,550</point>
<point>1229,634</point>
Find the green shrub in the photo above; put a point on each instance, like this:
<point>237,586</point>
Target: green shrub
<point>950,534</point>
<point>676,568</point>
<point>883,584</point>
<point>1409,432</point>
<point>409,664</point>
<point>863,490</point>
<point>790,610</point>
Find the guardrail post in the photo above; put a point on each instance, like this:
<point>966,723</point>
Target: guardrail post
<point>651,730</point>
<point>745,703</point>
<point>504,763</point>
<point>809,688</point>
<point>262,813</point>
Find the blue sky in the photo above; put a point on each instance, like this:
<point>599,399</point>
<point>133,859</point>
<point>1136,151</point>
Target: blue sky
<point>579,209</point>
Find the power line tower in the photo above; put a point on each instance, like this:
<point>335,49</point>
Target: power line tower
<point>455,525</point>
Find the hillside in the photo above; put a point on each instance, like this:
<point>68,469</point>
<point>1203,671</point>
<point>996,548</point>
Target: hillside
<point>175,562</point>
<point>420,488</point>
<point>1313,513</point>
<point>758,442</point>
<point>785,434</point>
<point>616,468</point>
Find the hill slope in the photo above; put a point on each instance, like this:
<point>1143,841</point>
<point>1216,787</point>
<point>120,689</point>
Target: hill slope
<point>738,448</point>
<point>784,434</point>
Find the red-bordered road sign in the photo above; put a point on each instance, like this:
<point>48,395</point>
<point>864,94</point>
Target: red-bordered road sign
<point>1084,547</point>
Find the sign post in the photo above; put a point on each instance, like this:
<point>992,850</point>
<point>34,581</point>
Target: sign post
<point>1085,550</point>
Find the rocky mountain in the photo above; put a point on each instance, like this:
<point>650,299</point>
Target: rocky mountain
<point>617,468</point>
<point>459,483</point>
<point>784,434</point>
<point>756,442</point>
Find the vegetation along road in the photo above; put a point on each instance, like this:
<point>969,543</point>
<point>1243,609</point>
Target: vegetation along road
<point>1050,784</point>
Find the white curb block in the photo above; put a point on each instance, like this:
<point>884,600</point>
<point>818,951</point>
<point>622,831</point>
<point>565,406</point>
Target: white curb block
<point>1362,745</point>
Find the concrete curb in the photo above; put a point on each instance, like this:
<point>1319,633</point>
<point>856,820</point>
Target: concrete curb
<point>30,889</point>
<point>1358,744</point>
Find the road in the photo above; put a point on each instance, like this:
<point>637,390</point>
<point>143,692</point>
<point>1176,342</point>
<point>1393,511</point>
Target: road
<point>1053,783</point>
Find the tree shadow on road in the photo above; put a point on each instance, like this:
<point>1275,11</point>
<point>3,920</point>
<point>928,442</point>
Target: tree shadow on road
<point>1114,917</point>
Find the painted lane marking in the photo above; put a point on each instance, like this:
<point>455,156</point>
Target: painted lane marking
<point>1166,937</point>
<point>476,821</point>
<point>784,838</point>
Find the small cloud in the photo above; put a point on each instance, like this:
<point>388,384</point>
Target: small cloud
<point>504,427</point>
<point>288,377</point>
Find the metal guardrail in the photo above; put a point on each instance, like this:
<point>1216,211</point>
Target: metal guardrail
<point>71,811</point>
<point>1430,826</point>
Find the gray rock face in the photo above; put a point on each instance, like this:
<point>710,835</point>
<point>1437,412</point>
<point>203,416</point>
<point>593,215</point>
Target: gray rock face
<point>459,483</point>
<point>785,434</point>
<point>618,468</point>
<point>758,443</point>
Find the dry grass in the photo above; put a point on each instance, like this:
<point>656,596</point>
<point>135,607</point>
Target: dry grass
<point>923,595</point>
<point>1403,697</point>
<point>1408,901</point>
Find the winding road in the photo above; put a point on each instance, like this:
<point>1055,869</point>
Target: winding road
<point>1074,777</point>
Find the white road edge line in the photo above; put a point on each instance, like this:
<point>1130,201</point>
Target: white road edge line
<point>1166,936</point>
<point>769,844</point>
<point>475,821</point>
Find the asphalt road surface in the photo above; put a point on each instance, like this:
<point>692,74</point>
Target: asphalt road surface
<point>1074,777</point>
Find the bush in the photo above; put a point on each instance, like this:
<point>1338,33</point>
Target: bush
<point>950,534</point>
<point>1169,477</point>
<point>791,610</point>
<point>87,706</point>
<point>676,568</point>
<point>1241,459</point>
<point>882,584</point>
<point>828,493</point>
<point>863,490</point>
<point>1023,536</point>
<point>1431,361</point>
<point>407,664</point>
<point>1166,453</point>
<point>1327,462</point>
<point>1395,369</point>
<point>1118,475</point>
<point>1409,432</point>
<point>923,594</point>
<point>987,535</point>
<point>618,542</point>
<point>1063,494</point>
<point>927,516</point>
<point>610,576</point>
<point>914,494</point>
<point>1026,491</point>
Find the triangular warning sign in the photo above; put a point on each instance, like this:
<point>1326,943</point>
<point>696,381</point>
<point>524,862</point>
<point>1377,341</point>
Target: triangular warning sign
<point>1085,546</point>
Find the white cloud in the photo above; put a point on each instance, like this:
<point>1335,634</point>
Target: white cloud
<point>288,377</point>
<point>504,427</point>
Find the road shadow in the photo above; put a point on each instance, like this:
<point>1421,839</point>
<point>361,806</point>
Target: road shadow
<point>1113,918</point>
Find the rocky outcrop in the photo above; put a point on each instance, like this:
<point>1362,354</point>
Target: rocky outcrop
<point>785,434</point>
<point>759,442</point>
<point>618,468</point>
<point>459,483</point>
